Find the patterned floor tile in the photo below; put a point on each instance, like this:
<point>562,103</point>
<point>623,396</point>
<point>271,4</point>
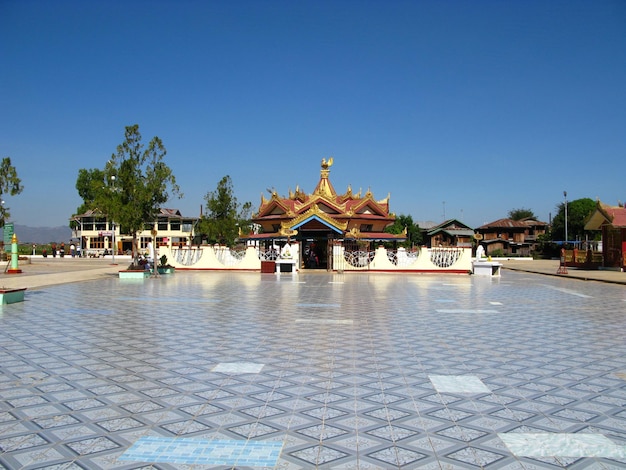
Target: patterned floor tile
<point>238,368</point>
<point>339,375</point>
<point>563,445</point>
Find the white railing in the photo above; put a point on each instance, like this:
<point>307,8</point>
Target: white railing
<point>402,258</point>
<point>228,257</point>
<point>187,256</point>
<point>359,259</point>
<point>268,255</point>
<point>445,257</point>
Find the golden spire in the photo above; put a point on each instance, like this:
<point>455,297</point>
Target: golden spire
<point>324,188</point>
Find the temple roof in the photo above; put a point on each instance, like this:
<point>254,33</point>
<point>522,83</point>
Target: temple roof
<point>606,215</point>
<point>327,199</point>
<point>326,209</point>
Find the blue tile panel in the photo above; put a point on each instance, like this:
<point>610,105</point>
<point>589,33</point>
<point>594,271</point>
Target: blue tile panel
<point>204,452</point>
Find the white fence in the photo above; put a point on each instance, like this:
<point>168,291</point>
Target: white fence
<point>441,259</point>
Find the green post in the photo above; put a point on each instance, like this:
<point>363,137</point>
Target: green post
<point>14,257</point>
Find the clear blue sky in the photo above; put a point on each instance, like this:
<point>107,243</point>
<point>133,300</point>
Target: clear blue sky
<point>469,107</point>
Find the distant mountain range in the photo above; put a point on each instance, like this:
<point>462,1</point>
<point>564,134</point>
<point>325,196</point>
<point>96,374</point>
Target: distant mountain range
<point>42,235</point>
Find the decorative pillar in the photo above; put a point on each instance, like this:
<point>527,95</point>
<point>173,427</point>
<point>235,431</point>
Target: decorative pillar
<point>14,269</point>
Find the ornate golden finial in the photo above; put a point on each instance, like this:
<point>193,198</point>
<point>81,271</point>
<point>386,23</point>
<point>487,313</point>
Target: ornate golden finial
<point>324,188</point>
<point>327,164</point>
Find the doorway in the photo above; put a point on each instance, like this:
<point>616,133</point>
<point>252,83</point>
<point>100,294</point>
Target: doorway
<point>317,253</point>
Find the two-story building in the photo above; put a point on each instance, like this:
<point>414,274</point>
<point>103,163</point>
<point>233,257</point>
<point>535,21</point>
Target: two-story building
<point>98,235</point>
<point>449,233</point>
<point>511,237</point>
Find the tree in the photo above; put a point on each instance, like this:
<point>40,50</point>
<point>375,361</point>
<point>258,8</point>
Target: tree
<point>87,185</point>
<point>135,183</point>
<point>414,234</point>
<point>9,184</point>
<point>520,214</point>
<point>577,213</point>
<point>223,216</point>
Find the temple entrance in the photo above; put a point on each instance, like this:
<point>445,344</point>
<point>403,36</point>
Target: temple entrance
<point>315,253</point>
<point>316,238</point>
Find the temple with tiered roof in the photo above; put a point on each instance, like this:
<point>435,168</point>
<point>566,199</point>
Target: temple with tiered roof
<point>319,220</point>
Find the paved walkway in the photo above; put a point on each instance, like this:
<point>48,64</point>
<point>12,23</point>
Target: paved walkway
<point>215,370</point>
<point>550,267</point>
<point>38,272</point>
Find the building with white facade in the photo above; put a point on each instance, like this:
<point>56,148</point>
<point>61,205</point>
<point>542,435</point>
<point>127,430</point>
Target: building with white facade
<point>98,235</point>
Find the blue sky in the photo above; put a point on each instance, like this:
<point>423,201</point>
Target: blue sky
<point>466,109</point>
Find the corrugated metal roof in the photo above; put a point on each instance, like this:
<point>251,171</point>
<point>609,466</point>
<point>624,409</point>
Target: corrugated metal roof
<point>504,223</point>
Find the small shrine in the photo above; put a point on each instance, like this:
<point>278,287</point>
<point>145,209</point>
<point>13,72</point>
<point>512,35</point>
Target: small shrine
<point>314,223</point>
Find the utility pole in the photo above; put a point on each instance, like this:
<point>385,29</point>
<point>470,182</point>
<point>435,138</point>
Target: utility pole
<point>565,196</point>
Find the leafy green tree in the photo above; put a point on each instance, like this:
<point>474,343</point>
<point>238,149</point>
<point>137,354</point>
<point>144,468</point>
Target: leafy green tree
<point>519,214</point>
<point>135,183</point>
<point>9,184</point>
<point>223,216</point>
<point>414,234</point>
<point>87,185</point>
<point>577,213</point>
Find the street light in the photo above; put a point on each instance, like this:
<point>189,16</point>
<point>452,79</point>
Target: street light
<point>565,196</point>
<point>113,228</point>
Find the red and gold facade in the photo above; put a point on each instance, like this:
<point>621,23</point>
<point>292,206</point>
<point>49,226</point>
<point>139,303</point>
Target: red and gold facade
<point>323,216</point>
<point>324,212</point>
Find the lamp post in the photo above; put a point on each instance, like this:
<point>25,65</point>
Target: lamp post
<point>565,196</point>
<point>113,228</point>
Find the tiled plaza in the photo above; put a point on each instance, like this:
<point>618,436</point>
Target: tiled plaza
<point>215,370</point>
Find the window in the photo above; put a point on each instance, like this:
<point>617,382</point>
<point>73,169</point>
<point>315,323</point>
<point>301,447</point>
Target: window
<point>97,243</point>
<point>162,226</point>
<point>366,227</point>
<point>175,225</point>
<point>179,241</point>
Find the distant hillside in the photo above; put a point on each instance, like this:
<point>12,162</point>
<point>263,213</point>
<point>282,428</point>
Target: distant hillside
<point>42,235</point>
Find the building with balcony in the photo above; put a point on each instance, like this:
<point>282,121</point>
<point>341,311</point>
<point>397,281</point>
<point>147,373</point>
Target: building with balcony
<point>98,235</point>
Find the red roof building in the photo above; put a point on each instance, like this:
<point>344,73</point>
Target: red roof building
<point>611,221</point>
<point>324,217</point>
